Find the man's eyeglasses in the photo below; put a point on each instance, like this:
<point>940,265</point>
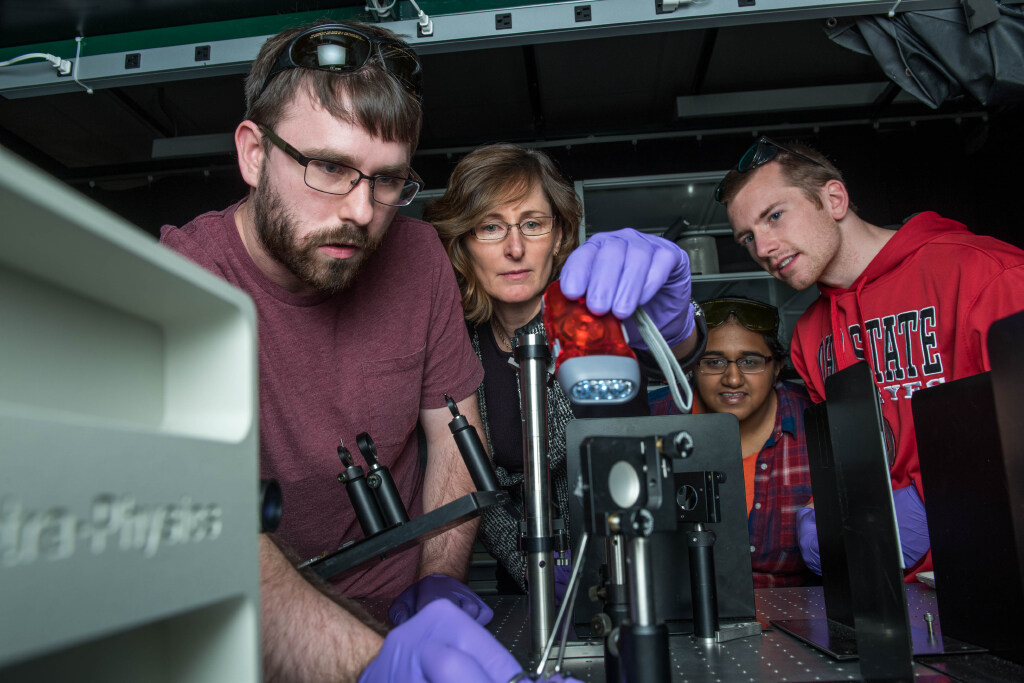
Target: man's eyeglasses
<point>759,154</point>
<point>535,226</point>
<point>339,48</point>
<point>337,178</point>
<point>751,364</point>
<point>753,315</point>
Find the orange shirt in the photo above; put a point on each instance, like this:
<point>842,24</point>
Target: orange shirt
<point>749,461</point>
<point>748,478</point>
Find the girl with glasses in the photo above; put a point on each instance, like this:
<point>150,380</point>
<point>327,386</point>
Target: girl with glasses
<point>739,374</point>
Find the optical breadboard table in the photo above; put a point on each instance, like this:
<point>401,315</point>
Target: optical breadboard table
<point>772,656</point>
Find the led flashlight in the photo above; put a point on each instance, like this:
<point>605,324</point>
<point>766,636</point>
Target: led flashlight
<point>593,362</point>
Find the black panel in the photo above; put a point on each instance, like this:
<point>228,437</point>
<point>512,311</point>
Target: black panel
<point>856,526</point>
<point>716,447</point>
<point>969,443</point>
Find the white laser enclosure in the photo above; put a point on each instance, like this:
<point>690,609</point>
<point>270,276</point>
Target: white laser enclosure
<point>128,451</point>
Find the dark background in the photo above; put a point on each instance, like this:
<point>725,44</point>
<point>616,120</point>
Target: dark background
<point>602,105</point>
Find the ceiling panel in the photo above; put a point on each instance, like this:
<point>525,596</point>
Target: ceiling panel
<point>758,57</point>
<point>471,97</point>
<point>627,82</point>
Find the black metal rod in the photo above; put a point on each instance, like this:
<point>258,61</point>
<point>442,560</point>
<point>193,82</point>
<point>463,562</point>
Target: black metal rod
<point>382,483</point>
<point>643,652</point>
<point>387,496</point>
<point>700,546</point>
<point>472,450</point>
<point>364,503</point>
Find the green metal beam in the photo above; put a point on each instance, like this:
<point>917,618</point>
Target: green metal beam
<point>168,54</point>
<point>246,28</point>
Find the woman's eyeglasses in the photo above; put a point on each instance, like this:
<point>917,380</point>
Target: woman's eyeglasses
<point>759,154</point>
<point>339,48</point>
<point>753,315</point>
<point>535,226</point>
<point>750,364</point>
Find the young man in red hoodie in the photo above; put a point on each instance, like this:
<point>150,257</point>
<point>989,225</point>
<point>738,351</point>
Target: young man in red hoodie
<point>915,303</point>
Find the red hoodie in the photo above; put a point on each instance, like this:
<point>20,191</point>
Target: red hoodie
<point>926,300</point>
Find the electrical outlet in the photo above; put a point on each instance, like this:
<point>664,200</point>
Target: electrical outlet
<point>582,12</point>
<point>132,60</point>
<point>503,21</point>
<point>202,53</point>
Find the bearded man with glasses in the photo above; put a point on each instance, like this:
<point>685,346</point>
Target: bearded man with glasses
<point>914,303</point>
<point>360,329</point>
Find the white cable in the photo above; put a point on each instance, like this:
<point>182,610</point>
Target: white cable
<point>63,66</point>
<point>426,25</point>
<point>670,368</point>
<point>78,54</point>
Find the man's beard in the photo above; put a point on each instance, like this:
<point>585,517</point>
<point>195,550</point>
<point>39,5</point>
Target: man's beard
<point>275,231</point>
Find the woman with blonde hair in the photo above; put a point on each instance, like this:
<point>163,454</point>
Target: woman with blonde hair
<point>509,221</point>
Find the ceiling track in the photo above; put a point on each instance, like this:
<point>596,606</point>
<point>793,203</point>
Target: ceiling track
<point>219,147</point>
<point>215,49</point>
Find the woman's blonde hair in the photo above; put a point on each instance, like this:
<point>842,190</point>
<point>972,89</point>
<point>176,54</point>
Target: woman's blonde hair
<point>484,179</point>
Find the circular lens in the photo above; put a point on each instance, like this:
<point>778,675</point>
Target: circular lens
<point>687,498</point>
<point>623,484</point>
<point>331,55</point>
<point>331,50</point>
<point>747,159</point>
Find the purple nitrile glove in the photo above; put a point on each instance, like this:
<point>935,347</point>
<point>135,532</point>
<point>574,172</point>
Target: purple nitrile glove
<point>912,523</point>
<point>807,537</point>
<point>621,270</point>
<point>436,587</point>
<point>562,574</point>
<point>441,643</point>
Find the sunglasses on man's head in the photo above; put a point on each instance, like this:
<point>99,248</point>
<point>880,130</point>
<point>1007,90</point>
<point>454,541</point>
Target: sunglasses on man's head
<point>342,49</point>
<point>753,315</point>
<point>759,154</point>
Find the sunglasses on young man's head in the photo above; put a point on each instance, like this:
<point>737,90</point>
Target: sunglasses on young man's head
<point>753,315</point>
<point>759,154</point>
<point>341,49</point>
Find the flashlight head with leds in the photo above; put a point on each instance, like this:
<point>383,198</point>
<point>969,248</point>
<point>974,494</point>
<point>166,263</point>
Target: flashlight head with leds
<point>593,362</point>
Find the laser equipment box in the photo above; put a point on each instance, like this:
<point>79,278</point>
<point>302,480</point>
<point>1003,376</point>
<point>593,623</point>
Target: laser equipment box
<point>129,477</point>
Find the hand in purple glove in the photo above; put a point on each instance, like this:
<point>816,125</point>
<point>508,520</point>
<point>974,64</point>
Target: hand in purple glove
<point>621,270</point>
<point>807,537</point>
<point>435,587</point>
<point>910,519</point>
<point>912,523</point>
<point>562,574</point>
<point>441,643</point>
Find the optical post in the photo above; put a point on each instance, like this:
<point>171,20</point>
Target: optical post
<point>382,514</point>
<point>532,354</point>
